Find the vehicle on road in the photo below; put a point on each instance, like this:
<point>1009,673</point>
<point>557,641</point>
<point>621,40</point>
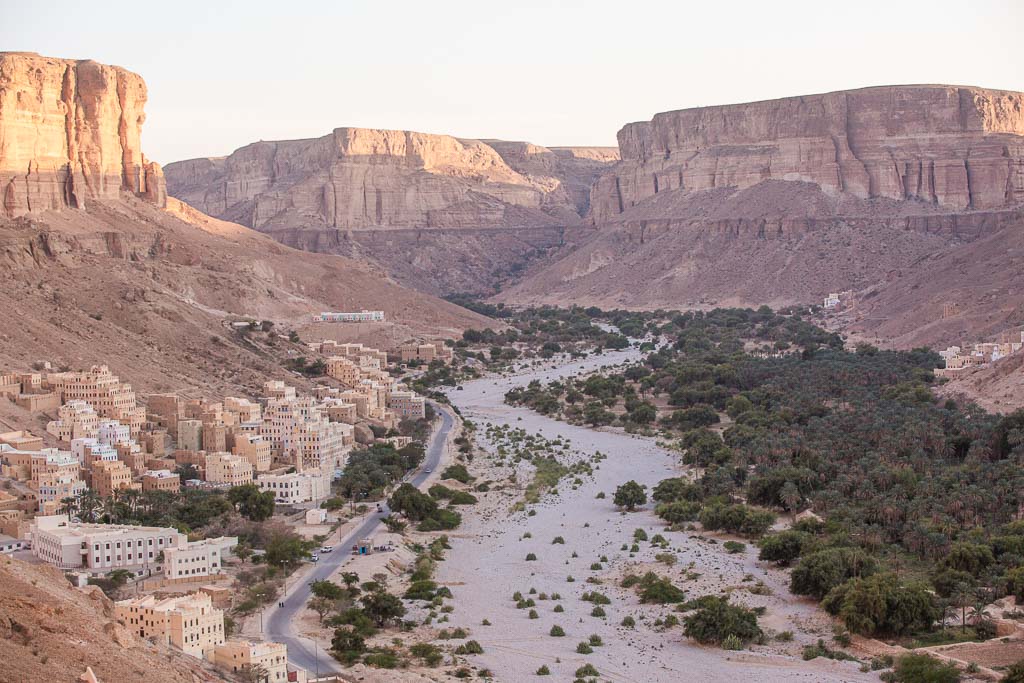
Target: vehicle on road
<point>428,470</point>
<point>314,558</point>
<point>327,549</point>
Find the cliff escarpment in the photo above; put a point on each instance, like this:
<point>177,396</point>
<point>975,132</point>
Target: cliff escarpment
<point>438,213</point>
<point>783,201</point>
<point>367,179</point>
<point>70,133</point>
<point>98,266</point>
<point>956,148</point>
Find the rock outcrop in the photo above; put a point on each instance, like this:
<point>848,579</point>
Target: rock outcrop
<point>892,192</point>
<point>957,148</point>
<point>359,179</point>
<point>70,133</point>
<point>438,213</point>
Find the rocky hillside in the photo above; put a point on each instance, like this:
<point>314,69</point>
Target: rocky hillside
<point>108,272</point>
<point>51,632</point>
<point>981,278</point>
<point>783,201</point>
<point>439,213</point>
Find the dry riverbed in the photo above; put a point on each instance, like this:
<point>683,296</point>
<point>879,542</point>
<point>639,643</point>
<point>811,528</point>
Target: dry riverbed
<point>487,563</point>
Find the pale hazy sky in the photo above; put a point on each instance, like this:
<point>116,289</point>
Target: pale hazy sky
<point>223,74</point>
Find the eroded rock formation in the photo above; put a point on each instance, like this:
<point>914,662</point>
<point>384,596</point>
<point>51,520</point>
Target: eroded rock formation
<point>359,179</point>
<point>70,132</point>
<point>956,148</point>
<point>439,213</point>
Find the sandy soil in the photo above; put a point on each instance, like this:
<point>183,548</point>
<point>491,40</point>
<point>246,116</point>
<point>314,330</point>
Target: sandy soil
<point>487,565</point>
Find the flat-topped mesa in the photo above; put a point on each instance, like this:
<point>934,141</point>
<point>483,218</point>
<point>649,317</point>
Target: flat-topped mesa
<point>959,148</point>
<point>69,133</point>
<point>359,178</point>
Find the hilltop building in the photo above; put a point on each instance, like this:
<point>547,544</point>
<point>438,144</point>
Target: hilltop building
<point>188,622</point>
<point>363,316</point>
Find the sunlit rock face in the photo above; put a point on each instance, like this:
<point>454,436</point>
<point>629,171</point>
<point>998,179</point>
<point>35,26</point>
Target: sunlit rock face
<point>70,133</point>
<point>953,147</point>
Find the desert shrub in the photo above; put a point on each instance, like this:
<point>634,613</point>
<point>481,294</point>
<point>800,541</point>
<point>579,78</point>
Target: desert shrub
<point>457,472</point>
<point>659,590</point>
<point>718,619</point>
<point>916,668</point>
<point>470,647</point>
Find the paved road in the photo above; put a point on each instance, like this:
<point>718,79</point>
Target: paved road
<point>301,651</point>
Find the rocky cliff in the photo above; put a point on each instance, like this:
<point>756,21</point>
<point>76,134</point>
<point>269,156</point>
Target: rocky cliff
<point>359,179</point>
<point>69,133</point>
<point>129,277</point>
<point>957,148</point>
<point>784,201</point>
<point>439,213</point>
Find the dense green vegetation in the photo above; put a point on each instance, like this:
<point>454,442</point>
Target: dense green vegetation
<point>918,495</point>
<point>370,471</point>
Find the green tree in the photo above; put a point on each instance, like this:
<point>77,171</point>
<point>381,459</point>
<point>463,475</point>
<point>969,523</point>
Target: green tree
<point>327,589</point>
<point>882,605</point>
<point>251,503</point>
<point>382,607</point>
<point>783,547</point>
<point>678,511</point>
<point>253,673</point>
<point>675,488</point>
<point>347,645</point>
<point>321,606</point>
<point>285,550</point>
<point>412,503</point>
<point>969,557</point>
<point>630,495</point>
<point>818,573</point>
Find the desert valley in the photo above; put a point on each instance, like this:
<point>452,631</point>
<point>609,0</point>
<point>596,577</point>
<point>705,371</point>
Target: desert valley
<point>738,398</point>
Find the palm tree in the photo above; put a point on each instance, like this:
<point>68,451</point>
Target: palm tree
<point>254,673</point>
<point>88,505</point>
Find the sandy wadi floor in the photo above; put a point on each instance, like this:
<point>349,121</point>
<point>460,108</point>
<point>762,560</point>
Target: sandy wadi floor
<point>487,565</point>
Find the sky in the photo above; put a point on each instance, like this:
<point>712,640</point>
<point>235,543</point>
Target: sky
<point>222,74</point>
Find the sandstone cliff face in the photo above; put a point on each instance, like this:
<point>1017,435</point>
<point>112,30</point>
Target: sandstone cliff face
<point>357,178</point>
<point>70,132</point>
<point>567,172</point>
<point>438,213</point>
<point>957,148</point>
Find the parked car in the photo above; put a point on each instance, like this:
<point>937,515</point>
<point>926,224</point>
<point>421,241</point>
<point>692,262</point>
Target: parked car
<point>327,549</point>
